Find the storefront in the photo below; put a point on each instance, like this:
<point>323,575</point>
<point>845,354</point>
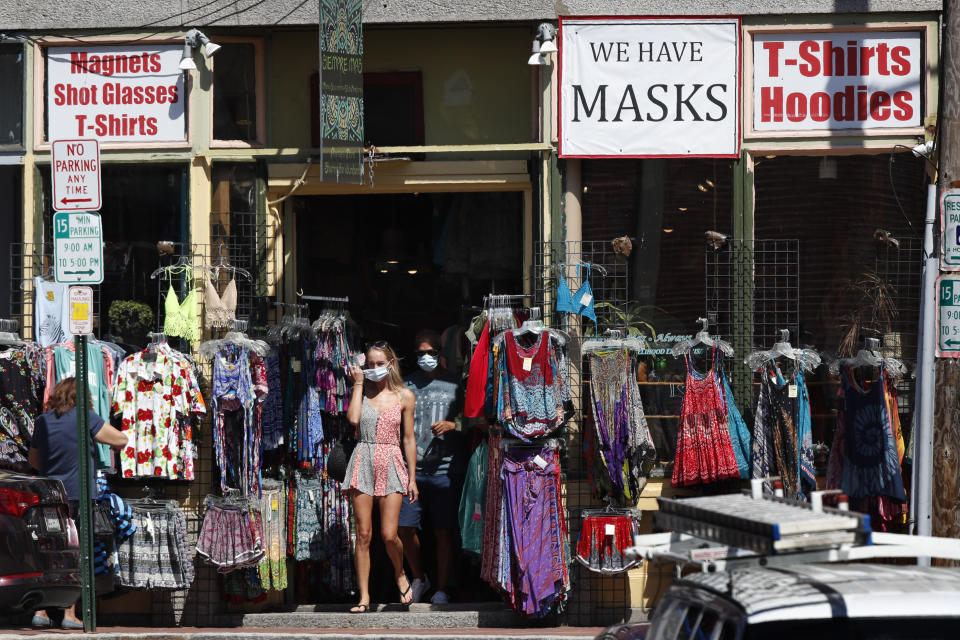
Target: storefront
<point>761,206</point>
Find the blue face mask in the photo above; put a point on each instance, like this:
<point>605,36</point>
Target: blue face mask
<point>427,362</point>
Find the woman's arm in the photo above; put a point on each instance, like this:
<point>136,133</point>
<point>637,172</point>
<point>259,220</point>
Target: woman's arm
<point>355,410</point>
<point>410,442</point>
<point>110,435</point>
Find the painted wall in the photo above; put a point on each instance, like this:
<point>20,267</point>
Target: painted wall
<point>476,83</point>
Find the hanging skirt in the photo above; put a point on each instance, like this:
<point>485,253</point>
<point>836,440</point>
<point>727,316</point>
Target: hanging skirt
<point>231,538</point>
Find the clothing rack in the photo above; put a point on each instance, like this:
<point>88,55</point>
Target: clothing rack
<point>343,299</point>
<point>591,265</point>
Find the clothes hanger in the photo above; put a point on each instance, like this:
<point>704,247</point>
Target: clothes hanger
<point>210,348</point>
<point>702,337</point>
<point>8,333</point>
<point>613,340</point>
<point>182,261</point>
<point>869,357</point>
<point>808,358</point>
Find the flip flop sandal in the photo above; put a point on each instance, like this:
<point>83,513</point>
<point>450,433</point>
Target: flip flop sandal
<point>363,608</point>
<point>403,594</point>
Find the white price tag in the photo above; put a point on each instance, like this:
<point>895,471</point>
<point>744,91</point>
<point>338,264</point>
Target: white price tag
<point>528,364</point>
<point>540,462</point>
<point>609,529</point>
<point>150,528</point>
<point>477,512</point>
<point>792,391</point>
<point>585,299</point>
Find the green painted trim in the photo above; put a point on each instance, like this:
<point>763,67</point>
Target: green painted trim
<point>741,377</point>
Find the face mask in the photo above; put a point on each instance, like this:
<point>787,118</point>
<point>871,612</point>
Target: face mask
<point>427,362</point>
<point>376,374</point>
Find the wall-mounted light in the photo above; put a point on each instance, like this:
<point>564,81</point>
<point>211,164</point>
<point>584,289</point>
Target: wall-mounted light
<point>193,40</point>
<point>536,57</point>
<point>543,44</point>
<point>546,34</point>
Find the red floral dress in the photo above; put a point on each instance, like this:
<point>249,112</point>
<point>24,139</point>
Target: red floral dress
<point>704,450</point>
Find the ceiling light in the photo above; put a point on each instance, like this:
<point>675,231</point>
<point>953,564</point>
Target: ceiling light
<point>412,272</point>
<point>393,262</point>
<point>709,182</point>
<point>384,271</point>
<point>585,189</point>
<point>681,208</point>
<point>771,157</point>
<point>668,230</point>
<point>186,59</point>
<point>701,187</point>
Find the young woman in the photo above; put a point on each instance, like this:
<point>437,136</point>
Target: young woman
<point>53,452</point>
<point>379,405</point>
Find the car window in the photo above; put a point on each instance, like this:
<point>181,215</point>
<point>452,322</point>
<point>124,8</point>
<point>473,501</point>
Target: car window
<point>668,620</point>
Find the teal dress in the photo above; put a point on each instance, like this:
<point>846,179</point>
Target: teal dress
<point>64,363</point>
<point>473,499</point>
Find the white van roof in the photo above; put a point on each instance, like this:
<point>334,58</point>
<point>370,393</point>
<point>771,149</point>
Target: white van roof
<point>817,591</point>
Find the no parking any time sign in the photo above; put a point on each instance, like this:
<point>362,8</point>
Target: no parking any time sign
<point>76,175</point>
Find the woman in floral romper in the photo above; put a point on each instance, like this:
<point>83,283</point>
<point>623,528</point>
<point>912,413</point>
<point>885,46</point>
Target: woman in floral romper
<point>379,405</point>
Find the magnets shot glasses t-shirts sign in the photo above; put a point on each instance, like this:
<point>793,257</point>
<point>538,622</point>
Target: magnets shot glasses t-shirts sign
<point>837,80</point>
<point>649,87</point>
<point>116,93</point>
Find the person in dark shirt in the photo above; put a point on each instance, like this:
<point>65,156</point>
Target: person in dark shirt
<point>53,453</point>
<point>441,465</point>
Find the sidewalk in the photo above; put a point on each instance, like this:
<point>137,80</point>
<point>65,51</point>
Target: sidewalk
<point>198,633</point>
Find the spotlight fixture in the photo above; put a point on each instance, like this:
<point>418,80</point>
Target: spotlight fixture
<point>543,44</point>
<point>546,33</point>
<point>536,58</point>
<point>195,38</point>
<point>668,230</point>
<point>186,59</point>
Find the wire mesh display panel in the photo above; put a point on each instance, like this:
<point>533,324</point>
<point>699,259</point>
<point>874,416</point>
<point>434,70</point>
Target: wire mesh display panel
<point>595,599</point>
<point>28,261</point>
<point>753,290</point>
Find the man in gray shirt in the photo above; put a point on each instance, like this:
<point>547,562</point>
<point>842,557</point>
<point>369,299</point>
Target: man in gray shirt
<point>441,464</point>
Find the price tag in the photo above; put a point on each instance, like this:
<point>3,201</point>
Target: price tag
<point>540,462</point>
<point>275,505</point>
<point>312,498</point>
<point>477,512</point>
<point>792,391</point>
<point>585,299</point>
<point>528,364</point>
<point>297,365</point>
<point>610,529</point>
<point>150,528</point>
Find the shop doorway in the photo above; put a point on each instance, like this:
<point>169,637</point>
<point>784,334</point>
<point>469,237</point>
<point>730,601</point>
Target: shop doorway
<point>407,262</point>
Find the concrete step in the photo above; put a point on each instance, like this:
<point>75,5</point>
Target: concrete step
<point>566,633</point>
<point>391,616</point>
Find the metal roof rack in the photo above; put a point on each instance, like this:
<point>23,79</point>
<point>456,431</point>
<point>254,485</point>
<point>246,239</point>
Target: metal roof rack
<point>752,529</point>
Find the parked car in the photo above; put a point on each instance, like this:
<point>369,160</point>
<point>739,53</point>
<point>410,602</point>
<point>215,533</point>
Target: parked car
<point>39,554</point>
<point>805,601</point>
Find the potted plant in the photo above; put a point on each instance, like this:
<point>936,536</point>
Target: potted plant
<point>130,321</point>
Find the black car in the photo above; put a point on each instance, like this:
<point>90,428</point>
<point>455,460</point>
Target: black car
<point>39,556</point>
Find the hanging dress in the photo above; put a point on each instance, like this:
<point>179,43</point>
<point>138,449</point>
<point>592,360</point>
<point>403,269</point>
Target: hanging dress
<point>782,442</point>
<point>704,453</point>
<point>871,466</point>
<point>739,432</point>
<point>528,406</point>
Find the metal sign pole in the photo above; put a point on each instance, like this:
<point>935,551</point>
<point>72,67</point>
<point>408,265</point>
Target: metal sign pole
<point>86,494</point>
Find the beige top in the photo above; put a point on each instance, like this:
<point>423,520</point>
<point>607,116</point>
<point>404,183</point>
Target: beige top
<point>220,310</point>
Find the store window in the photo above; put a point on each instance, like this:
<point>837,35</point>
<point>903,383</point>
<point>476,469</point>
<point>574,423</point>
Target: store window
<point>392,108</point>
<point>11,95</point>
<point>671,211</point>
<point>10,220</point>
<point>145,225</point>
<point>237,93</point>
<point>858,222</point>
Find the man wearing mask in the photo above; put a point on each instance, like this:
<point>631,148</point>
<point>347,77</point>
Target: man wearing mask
<point>441,465</point>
